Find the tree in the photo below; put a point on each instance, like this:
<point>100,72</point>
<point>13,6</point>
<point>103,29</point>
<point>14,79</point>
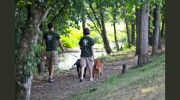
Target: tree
<point>162,30</point>
<point>104,36</point>
<point>156,30</point>
<point>143,37</point>
<point>133,33</point>
<point>138,27</point>
<point>100,26</point>
<point>163,18</point>
<point>114,14</point>
<point>133,27</point>
<point>30,16</point>
<point>127,24</point>
<point>151,24</point>
<point>25,50</point>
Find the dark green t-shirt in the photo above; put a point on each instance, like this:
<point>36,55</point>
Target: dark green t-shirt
<point>85,44</point>
<point>51,39</point>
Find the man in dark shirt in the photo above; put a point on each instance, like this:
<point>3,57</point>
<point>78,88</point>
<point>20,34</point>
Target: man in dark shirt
<point>50,40</point>
<point>87,53</point>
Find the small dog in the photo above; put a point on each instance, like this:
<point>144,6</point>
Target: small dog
<point>77,63</point>
<point>98,68</point>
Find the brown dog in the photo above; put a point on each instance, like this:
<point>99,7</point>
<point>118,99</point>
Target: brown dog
<point>98,68</point>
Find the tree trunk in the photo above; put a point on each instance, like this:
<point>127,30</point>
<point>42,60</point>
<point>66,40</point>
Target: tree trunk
<point>127,26</point>
<point>83,21</point>
<point>83,25</point>
<point>163,27</point>
<point>159,41</point>
<point>115,36</point>
<point>138,27</point>
<point>150,31</point>
<point>102,27</point>
<point>163,21</point>
<point>29,37</point>
<point>104,36</point>
<point>156,31</point>
<point>96,26</point>
<point>114,25</point>
<point>154,25</point>
<point>133,33</point>
<point>128,34</point>
<point>143,52</point>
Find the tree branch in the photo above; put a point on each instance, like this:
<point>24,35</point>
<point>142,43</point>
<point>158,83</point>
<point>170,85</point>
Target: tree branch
<point>55,17</point>
<point>93,21</point>
<point>45,14</point>
<point>95,15</point>
<point>29,12</point>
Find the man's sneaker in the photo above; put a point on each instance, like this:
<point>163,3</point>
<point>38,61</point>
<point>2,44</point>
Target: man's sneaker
<point>51,80</point>
<point>81,80</point>
<point>91,79</point>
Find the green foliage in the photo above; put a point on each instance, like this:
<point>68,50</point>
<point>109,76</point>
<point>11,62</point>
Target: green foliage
<point>23,2</point>
<point>72,39</point>
<point>97,38</point>
<point>126,46</point>
<point>122,37</point>
<point>30,61</point>
<point>20,17</point>
<point>151,27</point>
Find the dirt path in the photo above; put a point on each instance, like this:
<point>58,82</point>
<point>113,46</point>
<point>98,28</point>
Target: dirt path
<point>68,83</point>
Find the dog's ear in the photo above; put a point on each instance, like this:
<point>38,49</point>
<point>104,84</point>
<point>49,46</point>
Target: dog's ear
<point>95,61</point>
<point>101,61</point>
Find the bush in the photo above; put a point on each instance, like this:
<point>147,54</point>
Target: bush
<point>72,39</point>
<point>126,46</point>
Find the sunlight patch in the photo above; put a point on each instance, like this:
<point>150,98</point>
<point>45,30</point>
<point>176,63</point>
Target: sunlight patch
<point>150,89</point>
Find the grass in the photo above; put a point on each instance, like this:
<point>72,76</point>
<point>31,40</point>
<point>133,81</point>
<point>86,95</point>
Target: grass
<point>146,82</point>
<point>118,55</point>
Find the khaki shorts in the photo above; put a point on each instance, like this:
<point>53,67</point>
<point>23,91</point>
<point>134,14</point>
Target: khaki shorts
<point>52,58</point>
<point>87,61</point>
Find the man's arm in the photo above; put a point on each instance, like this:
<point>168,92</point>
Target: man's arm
<point>92,49</point>
<point>80,44</point>
<point>61,45</point>
<point>80,47</point>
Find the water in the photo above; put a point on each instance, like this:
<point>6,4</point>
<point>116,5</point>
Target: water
<point>67,60</point>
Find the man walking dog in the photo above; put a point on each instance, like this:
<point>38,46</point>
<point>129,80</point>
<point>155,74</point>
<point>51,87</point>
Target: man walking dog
<point>50,40</point>
<point>87,53</point>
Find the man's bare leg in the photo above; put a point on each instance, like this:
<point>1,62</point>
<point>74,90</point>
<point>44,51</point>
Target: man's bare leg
<point>82,73</point>
<point>91,73</point>
<point>52,72</point>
